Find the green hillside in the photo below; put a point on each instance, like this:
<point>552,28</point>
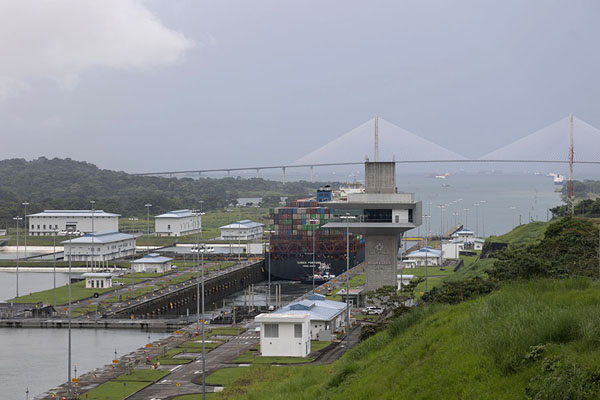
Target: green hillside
<point>68,184</point>
<point>522,234</point>
<point>538,339</point>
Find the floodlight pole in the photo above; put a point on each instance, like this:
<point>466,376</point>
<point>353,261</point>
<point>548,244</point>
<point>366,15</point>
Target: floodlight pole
<point>93,203</point>
<point>69,324</point>
<point>17,219</point>
<point>54,265</point>
<point>25,203</point>
<point>148,205</point>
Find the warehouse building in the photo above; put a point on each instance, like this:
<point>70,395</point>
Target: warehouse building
<point>177,223</point>
<point>153,263</point>
<point>242,230</point>
<point>49,222</point>
<point>100,247</point>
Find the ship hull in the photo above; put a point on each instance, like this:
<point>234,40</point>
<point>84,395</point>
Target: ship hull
<point>298,269</point>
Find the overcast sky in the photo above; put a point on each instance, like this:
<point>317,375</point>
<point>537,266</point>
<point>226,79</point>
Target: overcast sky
<point>154,85</point>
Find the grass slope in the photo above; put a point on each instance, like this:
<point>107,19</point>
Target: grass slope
<point>480,349</point>
<point>522,234</point>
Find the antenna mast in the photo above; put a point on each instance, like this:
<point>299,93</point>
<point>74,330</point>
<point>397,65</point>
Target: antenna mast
<point>376,138</point>
<point>571,203</point>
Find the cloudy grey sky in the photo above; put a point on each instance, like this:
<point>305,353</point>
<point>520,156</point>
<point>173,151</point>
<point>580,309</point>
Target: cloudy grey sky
<point>154,85</point>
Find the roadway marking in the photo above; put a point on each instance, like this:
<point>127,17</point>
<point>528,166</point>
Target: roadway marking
<point>176,368</point>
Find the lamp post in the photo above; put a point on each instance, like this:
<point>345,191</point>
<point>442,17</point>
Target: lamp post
<point>25,203</point>
<point>147,205</point>
<point>476,218</point>
<point>54,264</point>
<point>270,232</point>
<point>93,202</point>
<point>239,234</point>
<point>17,219</point>
<point>348,217</point>
<point>229,223</point>
<point>313,221</point>
<point>69,323</point>
<point>482,202</point>
<point>465,226</point>
<point>426,253</point>
<point>202,251</point>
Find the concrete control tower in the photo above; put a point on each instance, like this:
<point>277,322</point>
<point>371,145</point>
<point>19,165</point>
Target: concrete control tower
<point>381,214</point>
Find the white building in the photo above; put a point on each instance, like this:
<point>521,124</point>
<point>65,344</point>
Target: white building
<point>48,221</point>
<point>284,334</point>
<point>153,262</point>
<point>464,235</point>
<point>106,246</point>
<point>98,280</point>
<point>426,255</point>
<point>177,223</point>
<point>326,316</point>
<point>452,249</point>
<point>242,230</point>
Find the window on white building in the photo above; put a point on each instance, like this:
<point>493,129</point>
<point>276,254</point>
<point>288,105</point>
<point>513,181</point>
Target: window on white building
<point>272,330</point>
<point>298,330</point>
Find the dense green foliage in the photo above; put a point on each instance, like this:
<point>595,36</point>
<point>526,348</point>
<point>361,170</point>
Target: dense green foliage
<point>68,184</point>
<point>583,208</point>
<point>569,248</point>
<point>536,339</point>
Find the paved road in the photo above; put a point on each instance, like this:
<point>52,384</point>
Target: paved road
<point>189,376</point>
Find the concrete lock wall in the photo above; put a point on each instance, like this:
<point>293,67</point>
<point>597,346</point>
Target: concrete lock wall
<point>382,261</point>
<point>183,300</point>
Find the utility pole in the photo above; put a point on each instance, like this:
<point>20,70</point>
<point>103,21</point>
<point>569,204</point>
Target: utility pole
<point>26,226</point>
<point>376,138</point>
<point>571,203</point>
<point>17,219</point>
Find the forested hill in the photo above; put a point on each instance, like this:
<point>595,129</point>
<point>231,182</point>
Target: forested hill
<point>69,184</point>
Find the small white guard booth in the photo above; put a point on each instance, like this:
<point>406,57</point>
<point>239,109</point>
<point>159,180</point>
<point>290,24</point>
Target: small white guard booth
<point>98,280</point>
<point>284,334</point>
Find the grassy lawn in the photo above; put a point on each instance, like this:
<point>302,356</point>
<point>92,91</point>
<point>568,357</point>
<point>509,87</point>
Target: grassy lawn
<point>522,234</point>
<point>78,292</point>
<point>358,280</point>
<point>431,283</point>
<point>226,331</point>
<point>172,361</point>
<point>195,396</point>
<point>316,345</point>
<point>431,271</point>
<point>362,317</point>
<point>225,376</point>
<point>143,375</point>
<point>254,357</point>
<point>113,390</point>
<point>195,346</point>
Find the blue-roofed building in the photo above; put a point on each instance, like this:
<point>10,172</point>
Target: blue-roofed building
<point>326,316</point>
<point>177,223</point>
<point>425,255</point>
<point>152,263</point>
<point>100,247</point>
<point>242,230</point>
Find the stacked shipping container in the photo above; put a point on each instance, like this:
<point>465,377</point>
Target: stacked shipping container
<point>294,228</point>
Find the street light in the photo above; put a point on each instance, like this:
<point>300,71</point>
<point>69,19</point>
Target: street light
<point>313,221</point>
<point>348,217</point>
<point>54,263</point>
<point>17,219</point>
<point>25,203</point>
<point>482,202</point>
<point>92,202</point>
<point>147,205</point>
<point>269,271</point>
<point>229,223</point>
<point>69,318</point>
<point>203,249</point>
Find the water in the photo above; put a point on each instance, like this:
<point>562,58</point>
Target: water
<point>503,199</point>
<point>29,282</point>
<point>37,358</point>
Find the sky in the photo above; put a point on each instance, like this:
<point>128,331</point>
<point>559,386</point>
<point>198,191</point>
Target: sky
<point>187,84</point>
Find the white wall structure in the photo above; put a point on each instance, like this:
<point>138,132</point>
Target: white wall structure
<point>107,246</point>
<point>46,222</point>
<point>177,223</point>
<point>242,230</point>
<point>98,280</point>
<point>153,263</point>
<point>451,250</point>
<point>325,315</point>
<point>426,255</point>
<point>284,334</point>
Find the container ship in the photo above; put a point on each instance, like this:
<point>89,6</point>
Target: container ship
<point>294,229</point>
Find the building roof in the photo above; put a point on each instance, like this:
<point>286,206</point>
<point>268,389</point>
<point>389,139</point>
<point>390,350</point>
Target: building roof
<point>425,252</point>
<point>245,224</point>
<point>152,258</point>
<point>463,232</point>
<point>177,214</point>
<point>316,306</point>
<point>100,237</point>
<point>73,213</point>
<point>282,317</point>
<point>97,275</point>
